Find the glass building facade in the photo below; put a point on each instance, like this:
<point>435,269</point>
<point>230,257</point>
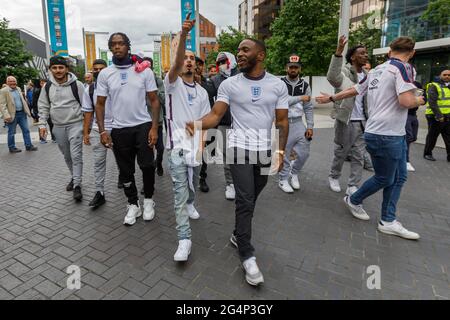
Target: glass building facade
<point>404,18</point>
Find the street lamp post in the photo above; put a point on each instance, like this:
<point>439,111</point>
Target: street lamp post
<point>344,21</point>
<point>46,31</point>
<point>197,29</point>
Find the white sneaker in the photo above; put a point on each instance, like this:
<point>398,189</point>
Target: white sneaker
<point>285,186</point>
<point>395,228</point>
<point>410,168</point>
<point>133,212</point>
<point>230,193</point>
<point>351,190</point>
<point>149,209</point>
<point>356,210</point>
<point>183,251</point>
<point>193,214</point>
<point>295,183</point>
<point>253,276</point>
<point>334,185</point>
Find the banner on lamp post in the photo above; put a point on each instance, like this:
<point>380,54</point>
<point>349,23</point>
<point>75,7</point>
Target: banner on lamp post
<point>91,53</point>
<point>188,6</point>
<point>166,40</point>
<point>157,63</point>
<point>104,55</point>
<point>57,27</point>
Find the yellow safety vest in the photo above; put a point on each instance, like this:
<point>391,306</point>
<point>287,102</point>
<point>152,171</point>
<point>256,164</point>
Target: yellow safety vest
<point>443,99</point>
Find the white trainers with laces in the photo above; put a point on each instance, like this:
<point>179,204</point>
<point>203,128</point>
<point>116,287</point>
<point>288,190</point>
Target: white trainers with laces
<point>351,190</point>
<point>334,185</point>
<point>183,251</point>
<point>253,275</point>
<point>133,212</point>
<point>356,210</point>
<point>395,228</point>
<point>149,209</point>
<point>410,167</point>
<point>285,186</point>
<point>295,183</point>
<point>230,192</point>
<point>193,214</point>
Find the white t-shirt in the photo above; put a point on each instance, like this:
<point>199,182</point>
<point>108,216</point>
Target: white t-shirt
<point>252,104</point>
<point>384,84</point>
<point>88,107</point>
<point>358,110</point>
<point>127,90</point>
<point>184,103</point>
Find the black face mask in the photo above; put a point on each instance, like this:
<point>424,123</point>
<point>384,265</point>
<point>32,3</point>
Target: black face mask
<point>95,74</point>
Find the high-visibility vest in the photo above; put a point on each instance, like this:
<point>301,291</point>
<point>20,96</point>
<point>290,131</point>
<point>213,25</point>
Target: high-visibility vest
<point>443,99</point>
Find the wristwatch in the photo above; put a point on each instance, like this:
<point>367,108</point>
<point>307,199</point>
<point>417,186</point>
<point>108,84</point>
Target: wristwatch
<point>332,99</point>
<point>280,152</point>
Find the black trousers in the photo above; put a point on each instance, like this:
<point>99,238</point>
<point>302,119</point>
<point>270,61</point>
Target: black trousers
<point>130,143</point>
<point>204,168</point>
<point>435,128</point>
<point>412,129</point>
<point>249,182</point>
<point>160,147</point>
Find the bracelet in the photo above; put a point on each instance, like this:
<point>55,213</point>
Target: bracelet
<point>280,152</point>
<point>332,99</point>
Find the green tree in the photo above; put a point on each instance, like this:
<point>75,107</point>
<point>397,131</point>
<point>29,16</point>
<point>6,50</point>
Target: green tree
<point>228,41</point>
<point>308,28</point>
<point>13,56</point>
<point>438,15</point>
<point>369,35</point>
<point>79,71</point>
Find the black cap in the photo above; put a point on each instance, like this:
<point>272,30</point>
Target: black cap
<point>199,60</point>
<point>294,60</point>
<point>58,60</point>
<point>100,61</point>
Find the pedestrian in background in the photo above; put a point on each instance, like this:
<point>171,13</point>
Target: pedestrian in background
<point>15,111</point>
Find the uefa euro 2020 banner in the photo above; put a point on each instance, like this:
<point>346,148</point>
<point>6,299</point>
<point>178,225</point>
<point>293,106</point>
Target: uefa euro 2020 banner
<point>188,6</point>
<point>57,26</point>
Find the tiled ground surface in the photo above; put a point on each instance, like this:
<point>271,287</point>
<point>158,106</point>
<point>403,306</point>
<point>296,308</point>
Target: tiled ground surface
<point>308,245</point>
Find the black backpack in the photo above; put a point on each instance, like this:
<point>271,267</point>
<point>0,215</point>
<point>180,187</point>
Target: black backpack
<point>73,86</point>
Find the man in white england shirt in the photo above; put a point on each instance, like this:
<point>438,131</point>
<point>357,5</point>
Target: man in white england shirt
<point>255,98</point>
<point>391,92</point>
<point>186,101</point>
<point>133,134</point>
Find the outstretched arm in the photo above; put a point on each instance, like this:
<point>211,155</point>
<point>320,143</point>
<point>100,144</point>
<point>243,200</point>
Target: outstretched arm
<point>212,119</point>
<point>181,50</point>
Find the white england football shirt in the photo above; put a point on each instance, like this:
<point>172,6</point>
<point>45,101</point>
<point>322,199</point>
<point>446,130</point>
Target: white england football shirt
<point>253,104</point>
<point>383,86</point>
<point>184,103</point>
<point>127,90</point>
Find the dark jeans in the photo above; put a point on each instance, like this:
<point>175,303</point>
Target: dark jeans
<point>389,162</point>
<point>248,183</point>
<point>435,128</point>
<point>160,147</point>
<point>129,143</point>
<point>204,168</point>
<point>412,129</point>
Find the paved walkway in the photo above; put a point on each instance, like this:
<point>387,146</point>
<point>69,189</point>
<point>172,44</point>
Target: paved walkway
<point>308,246</point>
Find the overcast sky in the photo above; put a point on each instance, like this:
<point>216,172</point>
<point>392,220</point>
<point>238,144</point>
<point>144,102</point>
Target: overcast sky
<point>135,18</point>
